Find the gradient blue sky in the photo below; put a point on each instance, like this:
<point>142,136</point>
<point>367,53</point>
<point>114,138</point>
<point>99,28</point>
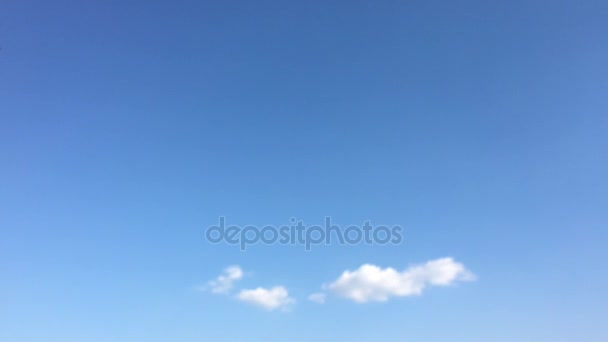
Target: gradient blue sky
<point>128,127</point>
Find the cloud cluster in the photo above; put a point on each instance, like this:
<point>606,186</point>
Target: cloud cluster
<point>368,283</point>
<point>273,298</point>
<point>270,299</point>
<point>318,298</point>
<point>224,282</point>
<point>372,283</point>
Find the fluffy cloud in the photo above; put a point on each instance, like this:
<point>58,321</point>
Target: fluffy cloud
<point>270,299</point>
<point>372,283</point>
<point>224,282</point>
<point>318,298</point>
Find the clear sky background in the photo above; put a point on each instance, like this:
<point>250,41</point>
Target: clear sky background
<point>128,127</point>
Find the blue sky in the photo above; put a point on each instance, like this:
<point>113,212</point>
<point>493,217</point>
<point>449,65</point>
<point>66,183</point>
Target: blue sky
<point>128,127</point>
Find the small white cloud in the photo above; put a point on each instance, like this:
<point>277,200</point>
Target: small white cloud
<point>270,299</point>
<point>372,283</point>
<point>224,283</point>
<point>318,298</point>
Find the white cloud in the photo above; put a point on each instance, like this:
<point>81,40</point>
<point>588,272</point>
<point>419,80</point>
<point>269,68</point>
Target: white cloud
<point>224,282</point>
<point>372,283</point>
<point>318,298</point>
<point>270,299</point>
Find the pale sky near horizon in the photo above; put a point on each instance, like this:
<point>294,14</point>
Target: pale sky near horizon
<point>128,127</point>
